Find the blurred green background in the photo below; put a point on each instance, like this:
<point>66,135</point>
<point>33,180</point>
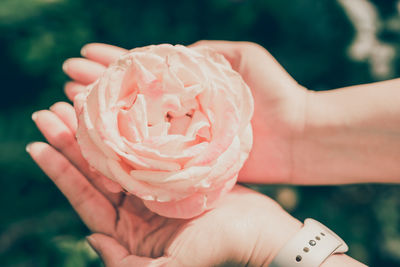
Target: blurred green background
<point>323,44</point>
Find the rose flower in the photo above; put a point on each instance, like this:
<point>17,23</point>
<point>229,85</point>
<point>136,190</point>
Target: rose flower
<point>168,124</point>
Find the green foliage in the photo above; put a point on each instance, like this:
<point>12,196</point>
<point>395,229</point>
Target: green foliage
<point>309,38</point>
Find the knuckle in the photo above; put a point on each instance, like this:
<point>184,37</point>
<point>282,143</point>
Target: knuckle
<point>201,43</point>
<point>252,47</point>
<point>84,195</point>
<point>56,106</point>
<point>64,141</point>
<point>63,169</point>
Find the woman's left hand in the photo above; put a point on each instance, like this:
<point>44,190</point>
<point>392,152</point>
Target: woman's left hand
<point>245,227</point>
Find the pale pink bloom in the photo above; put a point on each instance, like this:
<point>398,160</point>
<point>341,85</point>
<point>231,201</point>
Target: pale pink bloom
<point>169,124</point>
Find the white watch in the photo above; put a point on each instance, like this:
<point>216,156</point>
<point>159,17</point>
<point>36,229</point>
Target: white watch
<point>310,247</point>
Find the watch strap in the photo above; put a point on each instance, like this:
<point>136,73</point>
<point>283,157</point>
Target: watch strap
<point>311,246</point>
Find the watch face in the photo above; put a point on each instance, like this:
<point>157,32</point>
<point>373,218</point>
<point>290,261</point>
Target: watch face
<point>342,248</point>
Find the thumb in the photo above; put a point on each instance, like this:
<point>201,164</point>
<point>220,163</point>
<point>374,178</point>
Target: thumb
<point>257,66</point>
<point>114,254</point>
<point>108,249</point>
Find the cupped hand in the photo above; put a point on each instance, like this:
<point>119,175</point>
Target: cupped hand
<point>280,103</point>
<point>279,111</point>
<point>245,227</point>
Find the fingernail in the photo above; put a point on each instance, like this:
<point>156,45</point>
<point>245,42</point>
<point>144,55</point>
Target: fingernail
<point>65,87</point>
<point>34,116</point>
<point>51,107</point>
<point>65,66</point>
<point>28,147</point>
<point>84,51</point>
<point>91,241</point>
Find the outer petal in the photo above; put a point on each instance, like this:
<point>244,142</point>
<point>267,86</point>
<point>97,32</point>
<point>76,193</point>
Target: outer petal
<point>90,151</point>
<point>192,206</point>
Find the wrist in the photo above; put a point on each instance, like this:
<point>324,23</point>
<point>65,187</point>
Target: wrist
<point>304,146</point>
<point>346,139</point>
<point>273,238</point>
<point>265,227</point>
<point>327,249</point>
<point>283,235</point>
<point>325,147</point>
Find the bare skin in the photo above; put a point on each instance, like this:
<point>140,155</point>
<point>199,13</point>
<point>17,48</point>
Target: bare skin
<point>279,102</point>
<point>342,136</point>
<point>348,135</point>
<point>127,234</point>
<point>244,229</point>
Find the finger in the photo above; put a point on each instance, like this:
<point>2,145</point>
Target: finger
<point>66,113</point>
<point>93,208</point>
<point>82,70</point>
<point>71,89</point>
<point>232,51</point>
<point>102,53</point>
<point>114,254</point>
<point>63,139</point>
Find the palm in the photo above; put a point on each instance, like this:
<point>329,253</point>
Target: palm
<point>135,236</point>
<point>139,232</point>
<point>146,230</point>
<point>146,234</point>
<point>136,229</point>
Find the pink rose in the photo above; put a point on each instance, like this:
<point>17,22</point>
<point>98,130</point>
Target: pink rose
<point>169,124</point>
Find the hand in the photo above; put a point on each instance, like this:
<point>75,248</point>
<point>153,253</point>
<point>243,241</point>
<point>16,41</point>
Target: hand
<point>244,228</point>
<point>279,102</point>
<point>342,136</point>
<point>279,111</point>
